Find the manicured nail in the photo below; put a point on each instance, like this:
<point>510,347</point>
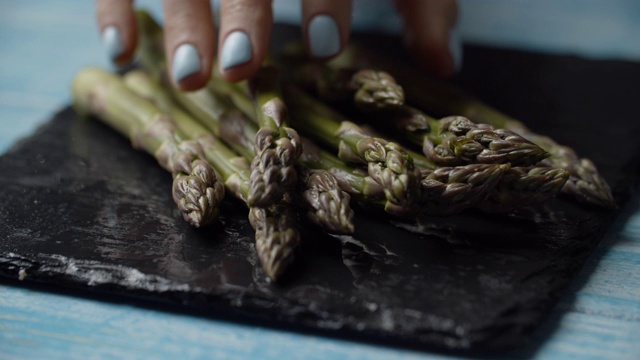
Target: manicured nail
<point>112,42</point>
<point>186,61</point>
<point>236,50</point>
<point>324,37</point>
<point>455,48</point>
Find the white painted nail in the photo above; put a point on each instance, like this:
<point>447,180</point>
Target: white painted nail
<point>186,61</point>
<point>324,36</point>
<point>455,48</point>
<point>236,50</point>
<point>112,42</point>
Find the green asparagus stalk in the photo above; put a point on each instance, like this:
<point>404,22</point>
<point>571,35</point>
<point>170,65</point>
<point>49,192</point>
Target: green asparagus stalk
<point>327,205</point>
<point>455,140</point>
<point>276,236</point>
<point>450,190</point>
<point>352,180</point>
<point>448,142</point>
<point>484,186</point>
<point>521,186</point>
<point>196,188</point>
<point>369,90</point>
<point>277,146</point>
<point>585,183</point>
<point>233,128</point>
<point>387,163</point>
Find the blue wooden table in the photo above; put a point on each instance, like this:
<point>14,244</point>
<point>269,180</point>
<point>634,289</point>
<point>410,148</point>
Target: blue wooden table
<point>43,43</point>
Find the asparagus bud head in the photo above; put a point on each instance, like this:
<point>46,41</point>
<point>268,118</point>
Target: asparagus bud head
<point>197,188</point>
<point>461,141</point>
<point>198,194</point>
<point>273,169</point>
<point>276,237</point>
<point>375,90</point>
<point>387,163</point>
<point>331,208</point>
<point>521,186</point>
<point>450,190</point>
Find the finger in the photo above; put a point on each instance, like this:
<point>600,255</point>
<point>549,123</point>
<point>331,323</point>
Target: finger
<point>245,26</point>
<point>429,35</point>
<point>117,25</point>
<point>326,26</point>
<point>189,42</point>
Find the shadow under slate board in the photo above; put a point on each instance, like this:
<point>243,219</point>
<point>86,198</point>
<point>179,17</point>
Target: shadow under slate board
<point>80,209</point>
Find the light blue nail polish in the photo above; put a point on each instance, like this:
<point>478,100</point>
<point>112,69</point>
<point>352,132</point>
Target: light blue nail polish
<point>455,48</point>
<point>324,36</point>
<point>112,42</point>
<point>236,50</point>
<point>186,61</point>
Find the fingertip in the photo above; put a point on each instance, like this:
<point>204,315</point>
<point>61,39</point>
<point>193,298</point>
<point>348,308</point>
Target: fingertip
<point>189,42</point>
<point>323,37</point>
<point>326,27</point>
<point>245,27</point>
<point>187,72</point>
<point>118,33</point>
<point>237,59</point>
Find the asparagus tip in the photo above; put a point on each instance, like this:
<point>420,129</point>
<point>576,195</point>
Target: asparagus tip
<point>198,194</point>
<point>276,238</point>
<point>330,208</point>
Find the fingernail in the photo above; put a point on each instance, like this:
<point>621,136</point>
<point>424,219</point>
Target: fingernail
<point>186,61</point>
<point>455,48</point>
<point>324,37</point>
<point>236,50</point>
<point>112,42</point>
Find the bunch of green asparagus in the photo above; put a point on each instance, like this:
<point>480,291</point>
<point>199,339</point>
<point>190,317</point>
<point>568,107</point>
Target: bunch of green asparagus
<point>277,143</point>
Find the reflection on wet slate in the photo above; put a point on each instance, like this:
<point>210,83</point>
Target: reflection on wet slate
<point>80,209</point>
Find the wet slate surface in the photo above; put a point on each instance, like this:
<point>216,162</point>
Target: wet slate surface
<point>81,210</point>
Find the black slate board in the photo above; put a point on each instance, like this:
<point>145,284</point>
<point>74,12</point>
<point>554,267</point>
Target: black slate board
<point>79,209</point>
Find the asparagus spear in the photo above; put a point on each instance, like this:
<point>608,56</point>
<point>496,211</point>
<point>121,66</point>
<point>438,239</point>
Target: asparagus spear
<point>455,140</point>
<point>585,183</point>
<point>277,146</point>
<point>387,163</point>
<point>521,186</point>
<point>368,89</point>
<point>352,180</point>
<point>276,237</point>
<point>327,205</point>
<point>450,190</point>
<point>196,188</point>
<point>450,141</point>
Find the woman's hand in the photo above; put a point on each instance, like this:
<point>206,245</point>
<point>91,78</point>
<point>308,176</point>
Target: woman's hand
<point>245,26</point>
